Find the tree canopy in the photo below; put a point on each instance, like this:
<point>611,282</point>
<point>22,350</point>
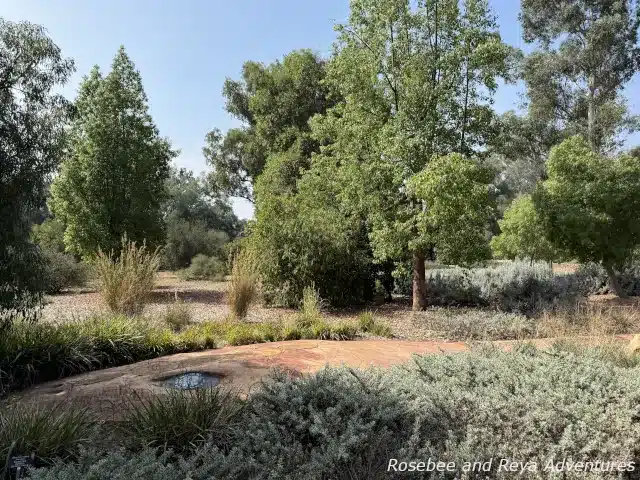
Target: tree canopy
<point>112,181</point>
<point>274,104</point>
<point>417,83</point>
<point>589,205</point>
<point>31,143</point>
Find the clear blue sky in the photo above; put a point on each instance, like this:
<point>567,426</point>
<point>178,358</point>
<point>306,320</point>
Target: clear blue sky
<point>185,49</point>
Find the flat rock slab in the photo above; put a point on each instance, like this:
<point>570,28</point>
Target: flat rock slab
<point>240,368</point>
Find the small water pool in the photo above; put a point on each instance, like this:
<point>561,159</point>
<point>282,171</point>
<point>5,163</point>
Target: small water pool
<point>192,380</point>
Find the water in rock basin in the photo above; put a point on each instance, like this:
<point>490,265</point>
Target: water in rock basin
<point>191,380</point>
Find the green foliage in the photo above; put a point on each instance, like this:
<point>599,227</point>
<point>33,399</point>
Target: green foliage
<point>302,237</point>
<point>32,120</point>
<point>410,95</point>
<point>63,271</point>
<point>274,103</point>
<point>519,151</point>
<point>53,433</point>
<point>49,235</point>
<point>310,311</point>
<point>127,279</point>
<point>454,192</point>
<point>204,268</point>
<point>188,199</point>
<point>522,234</point>
<point>587,52</point>
<point>112,181</point>
<point>187,240</point>
<point>181,420</point>
<point>368,323</point>
<point>589,204</point>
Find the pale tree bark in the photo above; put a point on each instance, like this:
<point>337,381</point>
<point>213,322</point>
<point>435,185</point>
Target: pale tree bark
<point>419,283</point>
<point>614,283</point>
<point>591,115</point>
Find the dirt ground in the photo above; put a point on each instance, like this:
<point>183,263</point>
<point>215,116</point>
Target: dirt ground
<point>207,302</point>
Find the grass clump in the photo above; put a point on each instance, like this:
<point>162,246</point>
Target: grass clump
<point>31,353</point>
<point>182,420</point>
<point>127,279</point>
<point>50,432</point>
<point>368,323</point>
<point>243,288</point>
<point>177,316</point>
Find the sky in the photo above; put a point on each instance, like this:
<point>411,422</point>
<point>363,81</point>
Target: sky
<point>185,50</point>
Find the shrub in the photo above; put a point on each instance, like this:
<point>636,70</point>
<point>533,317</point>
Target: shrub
<point>510,287</point>
<point>187,239</point>
<point>63,271</point>
<point>126,280</point>
<point>49,235</point>
<point>50,432</point>
<point>302,237</point>
<point>177,315</point>
<point>594,280</point>
<point>340,423</point>
<point>204,268</point>
<point>182,420</point>
<point>368,323</point>
<point>243,288</point>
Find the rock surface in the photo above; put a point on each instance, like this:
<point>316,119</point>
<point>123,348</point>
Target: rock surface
<point>240,368</point>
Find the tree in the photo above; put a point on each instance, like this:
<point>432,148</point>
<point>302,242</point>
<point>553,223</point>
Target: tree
<point>522,234</point>
<point>32,122</point>
<point>519,153</point>
<point>587,51</point>
<point>188,199</point>
<point>417,82</point>
<point>195,222</point>
<point>274,103</point>
<point>112,181</point>
<point>590,204</point>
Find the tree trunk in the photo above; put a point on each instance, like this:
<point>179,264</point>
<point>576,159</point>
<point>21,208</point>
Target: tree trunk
<point>614,283</point>
<point>591,116</point>
<point>419,284</point>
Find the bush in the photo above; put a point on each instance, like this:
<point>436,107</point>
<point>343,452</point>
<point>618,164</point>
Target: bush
<point>243,288</point>
<point>49,235</point>
<point>49,432</point>
<point>187,239</point>
<point>126,280</point>
<point>182,420</point>
<point>594,280</point>
<point>204,268</point>
<point>340,423</point>
<point>509,287</point>
<point>63,271</point>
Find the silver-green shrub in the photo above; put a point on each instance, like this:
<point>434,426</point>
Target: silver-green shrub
<point>510,287</point>
<point>525,405</point>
